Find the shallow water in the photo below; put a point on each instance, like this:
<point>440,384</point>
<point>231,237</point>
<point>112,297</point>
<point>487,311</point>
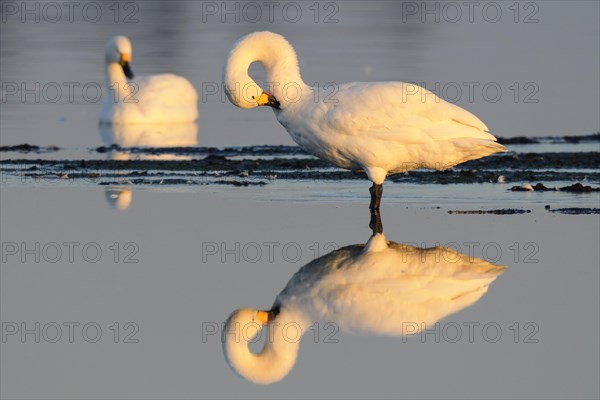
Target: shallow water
<point>176,285</point>
<point>129,281</point>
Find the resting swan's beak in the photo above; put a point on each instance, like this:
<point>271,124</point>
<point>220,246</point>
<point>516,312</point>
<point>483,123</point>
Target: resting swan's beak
<point>267,99</point>
<point>124,62</point>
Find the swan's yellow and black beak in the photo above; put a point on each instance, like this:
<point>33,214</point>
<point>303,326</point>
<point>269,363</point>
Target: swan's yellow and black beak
<point>267,99</point>
<point>267,316</point>
<point>124,60</point>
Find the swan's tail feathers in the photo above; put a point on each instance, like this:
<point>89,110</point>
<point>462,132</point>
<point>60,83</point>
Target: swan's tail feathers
<point>474,149</point>
<point>496,147</point>
<point>469,149</point>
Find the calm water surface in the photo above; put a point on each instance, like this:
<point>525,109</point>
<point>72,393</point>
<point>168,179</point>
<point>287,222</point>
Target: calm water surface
<point>187,260</point>
<point>128,284</point>
<point>518,77</point>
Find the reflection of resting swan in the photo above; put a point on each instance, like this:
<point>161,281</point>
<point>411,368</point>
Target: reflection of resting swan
<point>143,135</point>
<point>373,288</point>
<point>119,198</point>
<point>151,99</point>
<point>378,127</point>
<point>149,135</point>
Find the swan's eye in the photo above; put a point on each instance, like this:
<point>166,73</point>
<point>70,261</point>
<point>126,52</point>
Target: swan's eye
<point>253,98</point>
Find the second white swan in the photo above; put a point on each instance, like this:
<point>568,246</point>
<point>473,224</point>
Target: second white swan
<point>163,98</point>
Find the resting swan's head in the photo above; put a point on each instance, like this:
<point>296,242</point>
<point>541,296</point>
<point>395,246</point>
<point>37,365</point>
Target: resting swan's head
<point>118,51</point>
<point>280,62</point>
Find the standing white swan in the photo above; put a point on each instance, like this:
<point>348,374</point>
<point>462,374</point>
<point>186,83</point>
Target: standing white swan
<point>380,288</point>
<point>378,127</point>
<point>164,98</point>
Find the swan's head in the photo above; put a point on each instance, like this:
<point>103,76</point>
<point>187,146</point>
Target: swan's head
<point>118,50</point>
<point>278,58</point>
<point>276,358</point>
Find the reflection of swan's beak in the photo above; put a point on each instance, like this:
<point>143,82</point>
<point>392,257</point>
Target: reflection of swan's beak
<point>263,316</point>
<point>268,316</point>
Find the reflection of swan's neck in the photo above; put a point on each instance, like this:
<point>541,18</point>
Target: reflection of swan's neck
<point>278,355</point>
<point>116,82</point>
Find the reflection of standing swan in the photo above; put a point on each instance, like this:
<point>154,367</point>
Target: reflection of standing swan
<point>378,127</point>
<point>150,99</point>
<point>377,288</point>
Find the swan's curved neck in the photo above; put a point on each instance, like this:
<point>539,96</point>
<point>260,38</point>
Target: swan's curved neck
<point>277,57</point>
<point>277,357</point>
<point>116,83</point>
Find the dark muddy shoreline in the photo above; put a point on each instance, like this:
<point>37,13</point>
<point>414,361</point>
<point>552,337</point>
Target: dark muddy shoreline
<point>508,168</point>
<point>260,165</point>
<point>275,150</point>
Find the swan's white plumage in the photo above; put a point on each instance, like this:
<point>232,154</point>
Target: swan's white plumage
<point>377,287</point>
<point>379,127</point>
<point>380,288</point>
<point>162,98</point>
<point>150,135</point>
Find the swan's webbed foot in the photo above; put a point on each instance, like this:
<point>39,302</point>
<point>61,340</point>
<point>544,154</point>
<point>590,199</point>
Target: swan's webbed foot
<point>376,225</point>
<point>376,193</point>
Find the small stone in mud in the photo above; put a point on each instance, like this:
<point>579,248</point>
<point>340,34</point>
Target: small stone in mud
<point>526,187</point>
<point>504,211</point>
<point>517,140</point>
<point>576,210</point>
<point>240,183</point>
<point>106,149</point>
<point>540,187</point>
<point>23,148</point>
<point>214,157</point>
<point>579,188</point>
<point>174,181</point>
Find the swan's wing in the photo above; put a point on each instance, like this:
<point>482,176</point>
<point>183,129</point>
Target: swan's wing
<point>402,287</point>
<point>316,271</point>
<point>399,111</point>
<point>398,306</point>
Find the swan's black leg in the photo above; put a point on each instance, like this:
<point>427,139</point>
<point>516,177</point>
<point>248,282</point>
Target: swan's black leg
<point>376,192</point>
<point>376,225</point>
